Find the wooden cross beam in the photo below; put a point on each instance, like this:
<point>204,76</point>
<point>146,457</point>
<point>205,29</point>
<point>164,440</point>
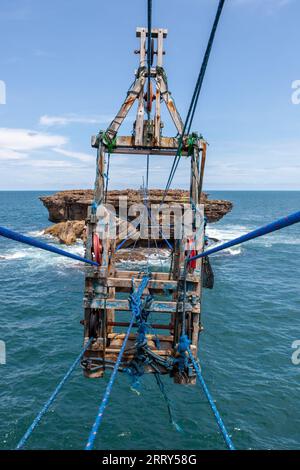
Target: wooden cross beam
<point>146,131</point>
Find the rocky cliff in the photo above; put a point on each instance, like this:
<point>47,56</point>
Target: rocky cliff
<point>68,209</point>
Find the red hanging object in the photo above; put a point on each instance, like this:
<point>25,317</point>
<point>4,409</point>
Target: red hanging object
<point>97,248</point>
<point>192,252</point>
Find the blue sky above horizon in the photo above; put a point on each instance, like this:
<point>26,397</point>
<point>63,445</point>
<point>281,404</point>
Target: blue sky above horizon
<point>67,65</point>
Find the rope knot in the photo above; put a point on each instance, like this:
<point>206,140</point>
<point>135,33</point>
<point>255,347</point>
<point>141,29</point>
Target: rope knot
<point>182,350</point>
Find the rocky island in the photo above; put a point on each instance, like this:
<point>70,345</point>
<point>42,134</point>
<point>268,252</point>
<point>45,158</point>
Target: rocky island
<point>68,209</point>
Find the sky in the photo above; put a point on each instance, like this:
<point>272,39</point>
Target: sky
<point>66,66</point>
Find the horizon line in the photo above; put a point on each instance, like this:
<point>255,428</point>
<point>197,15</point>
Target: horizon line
<point>176,189</point>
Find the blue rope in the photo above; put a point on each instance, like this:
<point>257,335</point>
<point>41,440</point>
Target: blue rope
<point>182,348</point>
<point>136,304</point>
<point>168,402</point>
<point>160,232</point>
<point>259,232</point>
<point>51,399</point>
<point>149,54</point>
<point>124,241</point>
<point>136,367</point>
<point>219,420</point>
<point>18,237</point>
<point>194,100</point>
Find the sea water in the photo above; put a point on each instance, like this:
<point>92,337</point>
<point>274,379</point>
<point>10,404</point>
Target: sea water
<point>250,318</point>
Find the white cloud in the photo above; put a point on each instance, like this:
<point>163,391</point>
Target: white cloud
<point>25,140</point>
<point>32,147</point>
<point>50,121</point>
<point>36,152</point>
<point>20,144</point>
<point>251,165</point>
<point>57,164</point>
<point>84,157</point>
<point>8,154</point>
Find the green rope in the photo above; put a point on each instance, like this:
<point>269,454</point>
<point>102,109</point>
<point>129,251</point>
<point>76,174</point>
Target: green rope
<point>191,142</point>
<point>110,143</point>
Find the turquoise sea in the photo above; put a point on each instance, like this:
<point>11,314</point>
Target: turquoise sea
<point>250,319</point>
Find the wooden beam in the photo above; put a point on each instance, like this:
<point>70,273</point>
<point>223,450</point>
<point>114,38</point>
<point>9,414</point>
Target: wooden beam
<point>159,352</point>
<point>167,97</point>
<point>157,119</point>
<point>194,180</point>
<point>160,49</point>
<point>203,161</point>
<point>139,123</point>
<point>146,151</point>
<point>155,275</point>
<point>154,32</point>
<point>132,95</point>
<point>143,47</point>
<point>154,326</point>
<point>126,145</point>
<point>99,185</point>
<point>155,284</point>
<point>168,143</point>
<point>132,336</point>
<point>123,305</point>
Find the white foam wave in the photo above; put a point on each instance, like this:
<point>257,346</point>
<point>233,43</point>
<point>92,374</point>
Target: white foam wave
<point>237,250</point>
<point>35,257</point>
<point>35,233</point>
<point>159,257</point>
<point>229,232</point>
<point>226,233</point>
<point>13,256</point>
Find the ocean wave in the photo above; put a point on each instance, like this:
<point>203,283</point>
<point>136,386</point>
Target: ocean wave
<point>237,250</point>
<point>40,258</point>
<point>227,232</point>
<point>36,233</point>
<point>230,232</point>
<point>13,256</point>
<point>160,254</point>
<point>43,258</point>
<point>140,263</point>
<point>282,240</point>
